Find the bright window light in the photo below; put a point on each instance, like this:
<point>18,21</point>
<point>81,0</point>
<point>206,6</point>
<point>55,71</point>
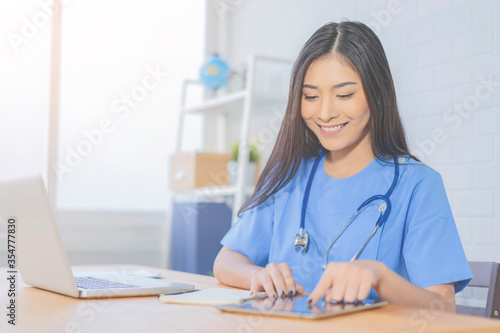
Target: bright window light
<point>122,68</point>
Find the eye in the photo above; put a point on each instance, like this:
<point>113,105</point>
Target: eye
<point>310,98</point>
<point>345,96</point>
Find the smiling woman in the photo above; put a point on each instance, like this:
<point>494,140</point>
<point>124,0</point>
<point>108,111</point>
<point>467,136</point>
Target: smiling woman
<point>335,109</point>
<point>341,146</point>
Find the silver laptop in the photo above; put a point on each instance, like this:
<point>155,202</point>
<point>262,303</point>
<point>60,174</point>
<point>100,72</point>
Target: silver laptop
<point>41,256</point>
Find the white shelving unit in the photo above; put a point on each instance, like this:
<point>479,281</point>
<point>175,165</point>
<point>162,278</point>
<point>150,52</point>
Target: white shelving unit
<point>242,102</point>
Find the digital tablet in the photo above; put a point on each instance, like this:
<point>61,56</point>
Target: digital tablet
<point>297,307</point>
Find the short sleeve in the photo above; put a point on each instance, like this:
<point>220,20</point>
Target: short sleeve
<point>432,249</point>
<point>251,235</point>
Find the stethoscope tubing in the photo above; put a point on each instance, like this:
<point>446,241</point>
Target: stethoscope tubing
<point>305,200</point>
<point>385,209</point>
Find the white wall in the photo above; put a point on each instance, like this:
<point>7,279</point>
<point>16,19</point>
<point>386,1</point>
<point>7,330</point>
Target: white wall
<point>440,54</point>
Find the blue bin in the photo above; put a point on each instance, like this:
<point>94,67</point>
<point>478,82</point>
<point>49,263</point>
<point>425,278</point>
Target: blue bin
<point>197,229</point>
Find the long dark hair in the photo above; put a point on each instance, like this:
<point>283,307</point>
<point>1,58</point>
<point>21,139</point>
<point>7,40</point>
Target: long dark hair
<point>361,48</point>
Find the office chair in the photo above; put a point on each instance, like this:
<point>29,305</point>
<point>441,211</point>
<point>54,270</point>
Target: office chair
<point>486,275</point>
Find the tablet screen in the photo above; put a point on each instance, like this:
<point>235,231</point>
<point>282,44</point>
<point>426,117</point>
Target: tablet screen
<point>297,307</point>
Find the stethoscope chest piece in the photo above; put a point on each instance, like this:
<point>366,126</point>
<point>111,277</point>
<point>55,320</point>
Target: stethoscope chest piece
<point>302,239</point>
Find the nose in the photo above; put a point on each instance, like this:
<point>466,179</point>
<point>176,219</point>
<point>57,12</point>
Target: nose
<point>327,111</point>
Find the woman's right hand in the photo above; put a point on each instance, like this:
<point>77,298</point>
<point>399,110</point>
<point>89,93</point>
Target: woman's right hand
<point>276,280</point>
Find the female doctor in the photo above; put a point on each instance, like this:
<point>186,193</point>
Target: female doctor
<point>342,209</point>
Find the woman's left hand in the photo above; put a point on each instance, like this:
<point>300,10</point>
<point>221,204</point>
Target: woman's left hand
<point>348,281</point>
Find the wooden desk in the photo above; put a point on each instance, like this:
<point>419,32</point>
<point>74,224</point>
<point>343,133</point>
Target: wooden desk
<point>42,311</point>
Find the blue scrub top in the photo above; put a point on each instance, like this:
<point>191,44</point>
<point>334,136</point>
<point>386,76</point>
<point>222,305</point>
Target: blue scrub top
<point>419,241</point>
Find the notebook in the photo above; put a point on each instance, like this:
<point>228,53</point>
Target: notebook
<point>41,257</point>
<point>211,296</point>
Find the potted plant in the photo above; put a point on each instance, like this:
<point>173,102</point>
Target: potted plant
<point>253,160</point>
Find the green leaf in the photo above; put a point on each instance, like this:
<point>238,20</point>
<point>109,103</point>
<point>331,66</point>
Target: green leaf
<point>254,152</point>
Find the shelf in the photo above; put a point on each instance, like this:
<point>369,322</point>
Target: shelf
<point>233,101</point>
<point>265,98</point>
<point>218,105</point>
<point>236,106</point>
<point>210,192</point>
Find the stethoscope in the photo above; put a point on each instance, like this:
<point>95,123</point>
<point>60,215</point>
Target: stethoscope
<point>302,238</point>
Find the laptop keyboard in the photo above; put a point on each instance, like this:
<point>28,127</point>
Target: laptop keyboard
<point>88,282</point>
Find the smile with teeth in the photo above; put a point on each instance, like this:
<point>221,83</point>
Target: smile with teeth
<point>332,129</point>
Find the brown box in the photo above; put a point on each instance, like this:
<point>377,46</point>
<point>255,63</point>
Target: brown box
<point>192,170</point>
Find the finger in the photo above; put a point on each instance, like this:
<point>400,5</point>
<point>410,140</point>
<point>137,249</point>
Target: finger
<point>337,291</point>
<point>277,278</point>
<point>289,283</point>
<point>262,282</point>
<point>351,289</point>
<point>299,290</point>
<point>268,284</point>
<point>325,282</point>
<point>363,290</point>
<point>255,285</point>
<point>288,279</point>
<point>338,282</point>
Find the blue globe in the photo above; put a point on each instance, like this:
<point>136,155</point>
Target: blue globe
<point>214,73</point>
